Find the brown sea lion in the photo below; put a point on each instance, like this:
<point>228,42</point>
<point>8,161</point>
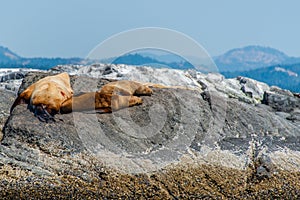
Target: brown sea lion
<point>46,96</point>
<point>100,102</point>
<point>126,88</point>
<point>53,94</point>
<point>111,97</point>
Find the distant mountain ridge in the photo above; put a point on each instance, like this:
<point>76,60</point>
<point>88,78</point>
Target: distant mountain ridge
<point>261,63</point>
<point>9,59</point>
<point>139,60</point>
<point>264,64</point>
<point>239,59</point>
<point>7,56</point>
<point>252,57</point>
<point>284,76</point>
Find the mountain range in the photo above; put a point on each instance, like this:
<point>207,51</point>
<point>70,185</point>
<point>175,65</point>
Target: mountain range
<point>9,59</point>
<point>261,63</point>
<point>284,76</point>
<point>157,61</point>
<point>252,57</point>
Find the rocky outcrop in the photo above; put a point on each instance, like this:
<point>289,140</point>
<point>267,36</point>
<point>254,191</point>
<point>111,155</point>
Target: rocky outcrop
<point>7,99</point>
<point>281,100</point>
<point>210,137</point>
<point>11,79</point>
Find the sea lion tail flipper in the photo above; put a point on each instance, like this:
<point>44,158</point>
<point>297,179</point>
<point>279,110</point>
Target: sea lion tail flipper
<point>133,100</point>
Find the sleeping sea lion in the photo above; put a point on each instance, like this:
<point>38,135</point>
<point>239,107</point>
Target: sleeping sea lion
<point>126,88</point>
<point>53,94</point>
<point>100,102</point>
<point>46,96</point>
<point>111,97</point>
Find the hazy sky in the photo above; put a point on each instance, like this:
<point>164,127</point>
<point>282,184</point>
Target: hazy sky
<point>68,28</point>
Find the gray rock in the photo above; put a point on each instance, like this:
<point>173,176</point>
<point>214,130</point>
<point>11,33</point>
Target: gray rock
<point>7,98</point>
<point>241,88</point>
<point>278,90</point>
<point>294,116</point>
<point>12,76</point>
<point>173,126</point>
<point>252,88</point>
<point>150,136</point>
<point>280,102</point>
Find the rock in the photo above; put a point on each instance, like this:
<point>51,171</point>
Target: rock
<point>144,74</point>
<point>7,98</point>
<point>241,88</point>
<point>180,143</point>
<point>280,102</point>
<point>252,88</point>
<point>294,116</point>
<point>148,128</point>
<point>278,90</point>
<point>12,76</point>
<point>12,85</point>
<point>11,79</point>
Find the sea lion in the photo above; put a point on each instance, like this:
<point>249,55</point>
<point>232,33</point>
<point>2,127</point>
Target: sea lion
<point>111,97</point>
<point>126,88</point>
<point>102,102</point>
<point>46,96</point>
<point>53,94</point>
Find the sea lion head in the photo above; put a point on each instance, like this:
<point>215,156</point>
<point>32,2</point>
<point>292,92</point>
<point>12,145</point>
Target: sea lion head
<point>50,96</point>
<point>143,90</point>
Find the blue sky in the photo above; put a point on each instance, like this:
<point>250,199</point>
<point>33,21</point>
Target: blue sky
<point>68,28</point>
